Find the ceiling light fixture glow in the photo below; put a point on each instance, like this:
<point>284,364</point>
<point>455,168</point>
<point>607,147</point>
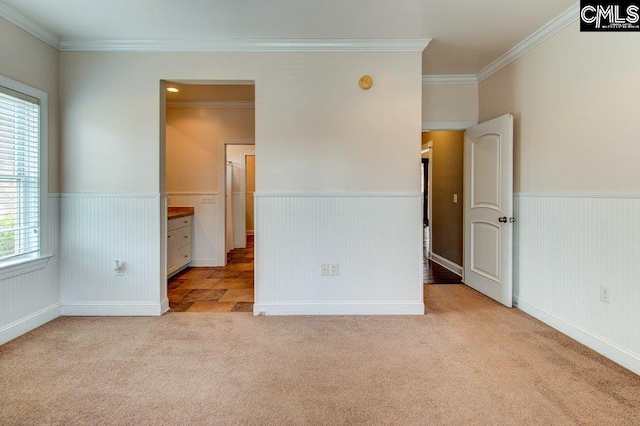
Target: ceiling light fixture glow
<point>173,89</point>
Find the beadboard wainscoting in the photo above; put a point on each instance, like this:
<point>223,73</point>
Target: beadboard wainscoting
<point>97,229</point>
<point>31,299</point>
<point>567,247</point>
<point>207,240</point>
<point>374,238</point>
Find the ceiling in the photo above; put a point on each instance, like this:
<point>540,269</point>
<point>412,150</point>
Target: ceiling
<point>467,35</point>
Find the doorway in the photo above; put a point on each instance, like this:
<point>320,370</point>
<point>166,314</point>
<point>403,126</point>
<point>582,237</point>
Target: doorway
<point>198,117</point>
<point>487,210</point>
<point>442,158</point>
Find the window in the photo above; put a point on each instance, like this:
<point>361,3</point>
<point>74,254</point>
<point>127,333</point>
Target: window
<point>22,181</point>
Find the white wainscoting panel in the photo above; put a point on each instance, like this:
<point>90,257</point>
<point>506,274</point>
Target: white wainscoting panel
<point>97,229</point>
<point>30,300</point>
<point>567,246</point>
<point>207,243</point>
<point>375,238</point>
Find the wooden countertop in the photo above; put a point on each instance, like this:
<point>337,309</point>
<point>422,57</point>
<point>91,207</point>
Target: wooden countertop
<point>176,212</point>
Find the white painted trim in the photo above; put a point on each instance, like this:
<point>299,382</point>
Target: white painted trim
<point>212,104</point>
<point>603,346</point>
<point>38,31</point>
<point>247,45</point>
<point>347,308</point>
<point>243,199</point>
<point>222,184</point>
<point>446,263</point>
<point>110,195</point>
<point>164,305</point>
<point>111,308</point>
<point>621,195</point>
<point>447,125</point>
<point>337,194</point>
<point>214,82</point>
<point>428,80</point>
<point>552,27</point>
<point>23,266</point>
<point>216,261</point>
<point>11,269</point>
<point>28,323</point>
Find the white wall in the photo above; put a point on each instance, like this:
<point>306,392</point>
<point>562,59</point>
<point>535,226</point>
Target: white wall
<point>449,103</point>
<point>575,103</point>
<point>30,300</point>
<point>316,132</point>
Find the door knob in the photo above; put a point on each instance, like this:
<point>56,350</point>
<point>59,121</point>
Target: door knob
<point>502,219</point>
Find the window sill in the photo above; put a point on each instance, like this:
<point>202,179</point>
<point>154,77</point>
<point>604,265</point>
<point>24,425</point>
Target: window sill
<point>23,266</point>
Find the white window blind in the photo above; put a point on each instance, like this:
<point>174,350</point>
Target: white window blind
<point>19,174</point>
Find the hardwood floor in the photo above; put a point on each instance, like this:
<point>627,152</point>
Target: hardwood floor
<point>437,274</point>
<point>432,272</point>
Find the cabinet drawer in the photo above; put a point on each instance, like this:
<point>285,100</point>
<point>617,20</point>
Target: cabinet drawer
<point>184,236</point>
<point>178,223</point>
<point>184,255</point>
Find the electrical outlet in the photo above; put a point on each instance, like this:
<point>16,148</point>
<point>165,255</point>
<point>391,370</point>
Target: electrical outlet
<point>455,198</point>
<point>208,200</point>
<point>324,269</point>
<point>604,294</point>
<point>118,268</point>
<point>334,269</point>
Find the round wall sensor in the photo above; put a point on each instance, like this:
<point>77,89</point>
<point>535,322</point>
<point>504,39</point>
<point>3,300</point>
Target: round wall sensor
<point>366,81</point>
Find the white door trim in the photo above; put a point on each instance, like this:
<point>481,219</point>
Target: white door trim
<point>222,185</point>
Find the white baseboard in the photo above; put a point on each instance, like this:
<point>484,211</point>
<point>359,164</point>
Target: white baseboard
<point>604,347</point>
<point>164,306</point>
<point>453,267</point>
<point>28,323</point>
<point>203,263</point>
<point>338,309</point>
<point>239,244</point>
<point>98,309</point>
<point>249,232</point>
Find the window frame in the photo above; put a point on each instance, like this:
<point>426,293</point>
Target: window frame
<point>28,263</point>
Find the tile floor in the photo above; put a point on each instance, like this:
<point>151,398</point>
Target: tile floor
<point>222,289</point>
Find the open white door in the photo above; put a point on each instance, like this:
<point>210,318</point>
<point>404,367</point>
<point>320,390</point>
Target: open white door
<point>488,208</point>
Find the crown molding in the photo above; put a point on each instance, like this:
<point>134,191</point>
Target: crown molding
<point>449,79</point>
<point>548,30</point>
<point>447,125</point>
<point>211,104</point>
<point>254,45</point>
<point>17,18</point>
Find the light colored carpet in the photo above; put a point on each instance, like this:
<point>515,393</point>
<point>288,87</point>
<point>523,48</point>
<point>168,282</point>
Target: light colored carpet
<point>467,361</point>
